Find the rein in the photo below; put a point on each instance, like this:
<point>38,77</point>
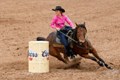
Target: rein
<point>69,37</point>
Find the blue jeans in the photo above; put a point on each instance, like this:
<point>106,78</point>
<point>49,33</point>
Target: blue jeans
<point>64,40</point>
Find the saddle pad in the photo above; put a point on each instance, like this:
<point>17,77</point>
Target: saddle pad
<point>58,40</point>
<point>58,45</point>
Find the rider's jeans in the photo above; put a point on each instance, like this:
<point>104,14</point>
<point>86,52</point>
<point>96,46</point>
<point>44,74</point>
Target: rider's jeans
<point>64,41</point>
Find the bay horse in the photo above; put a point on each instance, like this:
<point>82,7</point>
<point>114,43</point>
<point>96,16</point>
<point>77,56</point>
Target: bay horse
<point>80,45</point>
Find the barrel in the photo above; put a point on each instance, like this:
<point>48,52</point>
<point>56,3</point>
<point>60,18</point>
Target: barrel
<point>38,59</point>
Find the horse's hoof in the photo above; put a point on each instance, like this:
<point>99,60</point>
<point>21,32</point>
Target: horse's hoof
<point>110,68</point>
<point>77,66</point>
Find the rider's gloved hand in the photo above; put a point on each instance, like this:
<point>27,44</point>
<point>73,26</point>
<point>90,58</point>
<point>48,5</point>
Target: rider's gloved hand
<point>73,27</point>
<point>58,29</point>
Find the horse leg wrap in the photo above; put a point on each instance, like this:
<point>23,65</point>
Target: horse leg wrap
<point>101,63</point>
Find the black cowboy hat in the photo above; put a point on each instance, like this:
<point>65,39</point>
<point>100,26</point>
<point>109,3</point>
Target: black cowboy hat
<point>59,8</point>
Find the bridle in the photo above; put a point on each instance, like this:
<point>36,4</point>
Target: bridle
<point>71,37</point>
<point>78,43</point>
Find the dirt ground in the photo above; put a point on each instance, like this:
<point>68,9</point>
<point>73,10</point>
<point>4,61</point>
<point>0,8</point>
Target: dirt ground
<point>22,21</point>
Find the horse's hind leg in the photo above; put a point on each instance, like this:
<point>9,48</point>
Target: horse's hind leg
<point>59,57</point>
<point>57,54</point>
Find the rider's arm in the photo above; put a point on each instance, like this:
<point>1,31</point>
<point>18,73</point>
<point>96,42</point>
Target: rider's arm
<point>69,22</point>
<point>53,22</point>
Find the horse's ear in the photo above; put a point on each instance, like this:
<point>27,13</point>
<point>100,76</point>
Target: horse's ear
<point>76,24</point>
<point>84,23</point>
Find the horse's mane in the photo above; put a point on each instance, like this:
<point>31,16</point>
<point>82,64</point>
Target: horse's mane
<point>75,34</point>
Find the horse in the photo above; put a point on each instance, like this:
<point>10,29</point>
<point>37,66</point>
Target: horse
<point>79,44</point>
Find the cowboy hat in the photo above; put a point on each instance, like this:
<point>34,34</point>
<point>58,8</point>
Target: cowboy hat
<point>59,8</point>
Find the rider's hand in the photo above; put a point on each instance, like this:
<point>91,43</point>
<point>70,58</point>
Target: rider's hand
<point>73,27</point>
<point>58,29</point>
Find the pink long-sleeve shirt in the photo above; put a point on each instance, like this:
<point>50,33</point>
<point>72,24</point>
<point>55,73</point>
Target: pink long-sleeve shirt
<point>59,22</point>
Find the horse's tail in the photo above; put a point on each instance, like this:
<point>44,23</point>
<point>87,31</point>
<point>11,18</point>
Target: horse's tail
<point>41,39</point>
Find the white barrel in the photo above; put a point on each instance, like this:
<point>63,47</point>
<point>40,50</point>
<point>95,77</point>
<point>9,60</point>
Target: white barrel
<point>38,56</point>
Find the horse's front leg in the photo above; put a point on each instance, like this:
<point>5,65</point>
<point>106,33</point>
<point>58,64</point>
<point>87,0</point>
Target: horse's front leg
<point>91,57</point>
<point>101,62</point>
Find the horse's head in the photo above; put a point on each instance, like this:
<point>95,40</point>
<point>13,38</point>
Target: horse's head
<point>81,32</point>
